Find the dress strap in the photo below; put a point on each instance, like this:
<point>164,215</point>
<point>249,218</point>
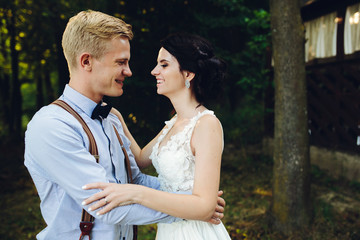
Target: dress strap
<point>190,127</point>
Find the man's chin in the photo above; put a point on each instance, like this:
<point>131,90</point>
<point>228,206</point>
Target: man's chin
<point>116,94</point>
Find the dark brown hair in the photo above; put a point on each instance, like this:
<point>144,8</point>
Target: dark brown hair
<point>195,54</point>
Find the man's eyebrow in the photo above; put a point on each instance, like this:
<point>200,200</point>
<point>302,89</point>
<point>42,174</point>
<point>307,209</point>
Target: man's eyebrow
<point>121,59</point>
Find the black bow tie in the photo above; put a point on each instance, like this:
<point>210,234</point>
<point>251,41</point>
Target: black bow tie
<point>100,112</point>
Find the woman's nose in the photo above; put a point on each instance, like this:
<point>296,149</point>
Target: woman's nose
<point>154,72</point>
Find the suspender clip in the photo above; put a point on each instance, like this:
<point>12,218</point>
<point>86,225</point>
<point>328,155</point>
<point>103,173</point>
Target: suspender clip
<point>85,228</point>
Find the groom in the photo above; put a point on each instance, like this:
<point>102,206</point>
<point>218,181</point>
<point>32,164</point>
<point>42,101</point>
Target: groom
<point>97,50</point>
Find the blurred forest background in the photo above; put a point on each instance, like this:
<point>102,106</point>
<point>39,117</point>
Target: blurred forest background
<point>33,73</point>
<point>33,70</point>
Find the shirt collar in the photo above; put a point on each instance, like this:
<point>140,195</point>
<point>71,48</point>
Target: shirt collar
<point>84,103</point>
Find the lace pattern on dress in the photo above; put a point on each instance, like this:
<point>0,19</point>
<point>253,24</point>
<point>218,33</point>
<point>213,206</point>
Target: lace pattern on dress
<point>175,163</point>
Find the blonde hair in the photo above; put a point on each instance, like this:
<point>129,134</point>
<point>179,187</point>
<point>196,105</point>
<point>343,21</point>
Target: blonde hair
<point>90,31</point>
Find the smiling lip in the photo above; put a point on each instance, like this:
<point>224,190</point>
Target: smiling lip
<point>159,81</point>
<point>119,81</point>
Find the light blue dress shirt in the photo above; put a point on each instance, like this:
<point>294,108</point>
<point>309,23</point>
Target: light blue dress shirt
<point>57,157</point>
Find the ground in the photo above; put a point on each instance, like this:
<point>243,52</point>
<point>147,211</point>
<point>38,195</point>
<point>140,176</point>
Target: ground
<point>245,179</point>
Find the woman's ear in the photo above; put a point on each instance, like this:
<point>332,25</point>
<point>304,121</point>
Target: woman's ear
<point>86,61</point>
<point>189,75</point>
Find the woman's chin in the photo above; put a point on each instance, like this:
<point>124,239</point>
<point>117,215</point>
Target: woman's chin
<point>158,91</point>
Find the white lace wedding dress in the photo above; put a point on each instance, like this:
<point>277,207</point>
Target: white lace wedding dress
<point>175,165</point>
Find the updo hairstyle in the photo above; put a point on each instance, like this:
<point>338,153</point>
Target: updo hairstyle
<point>195,54</point>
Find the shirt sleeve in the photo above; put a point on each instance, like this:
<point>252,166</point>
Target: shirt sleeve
<point>64,159</point>
<point>138,176</point>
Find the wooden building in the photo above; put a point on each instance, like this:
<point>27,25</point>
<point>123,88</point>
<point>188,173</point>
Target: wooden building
<point>332,56</point>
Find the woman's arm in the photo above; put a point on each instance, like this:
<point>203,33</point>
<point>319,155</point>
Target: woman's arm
<point>207,145</point>
<point>113,195</point>
<point>141,155</point>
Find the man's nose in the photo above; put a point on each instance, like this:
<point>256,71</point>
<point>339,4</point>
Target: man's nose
<point>127,72</point>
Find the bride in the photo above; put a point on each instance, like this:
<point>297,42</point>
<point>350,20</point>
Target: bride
<point>187,152</point>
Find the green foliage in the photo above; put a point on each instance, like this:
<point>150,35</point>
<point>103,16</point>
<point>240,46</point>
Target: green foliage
<point>239,33</point>
<point>355,185</point>
<point>320,176</point>
<point>325,210</point>
<point>244,125</point>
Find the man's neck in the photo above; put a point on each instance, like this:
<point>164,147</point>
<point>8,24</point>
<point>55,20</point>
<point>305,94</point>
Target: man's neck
<point>80,85</point>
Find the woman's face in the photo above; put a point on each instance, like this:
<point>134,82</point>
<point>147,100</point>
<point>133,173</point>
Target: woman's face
<point>168,75</point>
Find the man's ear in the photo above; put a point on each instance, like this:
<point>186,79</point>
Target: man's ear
<point>86,61</point>
<point>189,75</point>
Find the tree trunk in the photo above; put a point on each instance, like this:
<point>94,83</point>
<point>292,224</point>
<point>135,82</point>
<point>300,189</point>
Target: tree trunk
<point>50,95</point>
<point>63,70</point>
<point>62,67</point>
<point>5,118</point>
<point>291,183</point>
<point>39,88</point>
<point>16,98</point>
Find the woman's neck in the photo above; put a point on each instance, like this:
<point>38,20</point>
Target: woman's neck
<point>186,107</point>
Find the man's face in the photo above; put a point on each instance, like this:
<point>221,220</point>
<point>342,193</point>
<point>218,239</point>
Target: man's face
<point>110,70</point>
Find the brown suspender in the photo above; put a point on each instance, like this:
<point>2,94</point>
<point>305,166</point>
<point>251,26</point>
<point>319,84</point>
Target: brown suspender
<point>87,220</point>
<point>127,161</point>
<point>128,167</point>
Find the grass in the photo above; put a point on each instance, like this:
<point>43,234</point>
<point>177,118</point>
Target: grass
<point>245,179</point>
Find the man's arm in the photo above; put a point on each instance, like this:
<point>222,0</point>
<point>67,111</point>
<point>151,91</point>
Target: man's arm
<point>64,157</point>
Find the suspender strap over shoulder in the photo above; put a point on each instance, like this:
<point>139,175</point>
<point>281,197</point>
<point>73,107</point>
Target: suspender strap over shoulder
<point>127,161</point>
<point>87,221</point>
<point>92,147</point>
<point>128,168</point>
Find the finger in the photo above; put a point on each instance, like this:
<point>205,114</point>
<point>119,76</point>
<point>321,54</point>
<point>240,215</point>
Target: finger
<point>100,185</point>
<point>221,202</point>
<point>217,215</point>
<point>93,198</point>
<point>107,208</point>
<point>98,204</point>
<point>107,203</point>
<point>219,209</point>
<point>215,220</point>
<point>111,205</point>
<point>220,193</point>
<point>212,221</point>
